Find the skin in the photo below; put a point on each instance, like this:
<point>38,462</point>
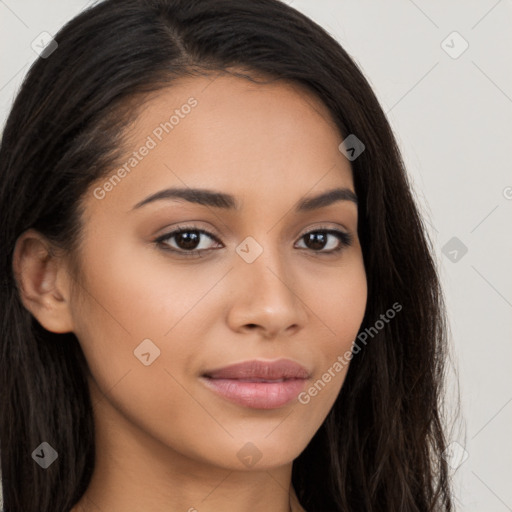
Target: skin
<point>158,428</point>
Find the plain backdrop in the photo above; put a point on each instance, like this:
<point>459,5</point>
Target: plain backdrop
<point>443,74</point>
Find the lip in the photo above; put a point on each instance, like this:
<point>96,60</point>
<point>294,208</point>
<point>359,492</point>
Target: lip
<point>258,384</point>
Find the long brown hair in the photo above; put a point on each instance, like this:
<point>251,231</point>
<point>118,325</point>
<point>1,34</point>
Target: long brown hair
<point>380,448</point>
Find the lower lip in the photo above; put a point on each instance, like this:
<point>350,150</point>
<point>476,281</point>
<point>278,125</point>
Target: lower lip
<point>257,395</point>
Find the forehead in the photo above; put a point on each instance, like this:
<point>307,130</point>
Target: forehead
<point>255,141</point>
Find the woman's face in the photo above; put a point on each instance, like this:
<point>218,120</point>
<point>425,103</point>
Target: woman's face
<point>153,321</point>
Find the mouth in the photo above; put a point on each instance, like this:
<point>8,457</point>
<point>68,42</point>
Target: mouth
<point>258,384</point>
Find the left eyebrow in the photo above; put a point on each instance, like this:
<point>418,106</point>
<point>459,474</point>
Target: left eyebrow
<point>326,199</point>
<point>221,200</point>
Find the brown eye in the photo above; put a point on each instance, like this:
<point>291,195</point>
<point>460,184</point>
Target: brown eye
<point>186,240</point>
<point>319,239</point>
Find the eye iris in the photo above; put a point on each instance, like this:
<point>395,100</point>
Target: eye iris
<point>187,240</point>
<point>318,239</point>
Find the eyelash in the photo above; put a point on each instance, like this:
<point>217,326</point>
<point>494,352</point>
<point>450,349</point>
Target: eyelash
<point>345,239</point>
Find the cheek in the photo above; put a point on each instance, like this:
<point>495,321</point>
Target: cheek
<point>133,293</point>
<point>140,326</point>
<point>342,307</point>
<point>139,371</point>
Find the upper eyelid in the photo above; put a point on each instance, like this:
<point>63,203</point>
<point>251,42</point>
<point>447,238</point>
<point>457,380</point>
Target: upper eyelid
<point>208,232</point>
<point>178,229</point>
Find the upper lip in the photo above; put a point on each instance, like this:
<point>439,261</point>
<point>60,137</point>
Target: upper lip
<point>257,369</point>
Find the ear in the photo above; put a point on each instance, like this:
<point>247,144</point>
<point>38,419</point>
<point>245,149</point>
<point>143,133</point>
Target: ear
<point>43,281</point>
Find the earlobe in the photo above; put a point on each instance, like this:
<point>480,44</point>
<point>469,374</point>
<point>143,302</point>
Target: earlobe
<point>38,272</point>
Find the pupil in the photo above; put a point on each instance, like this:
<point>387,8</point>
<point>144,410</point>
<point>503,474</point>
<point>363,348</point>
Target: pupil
<point>190,240</point>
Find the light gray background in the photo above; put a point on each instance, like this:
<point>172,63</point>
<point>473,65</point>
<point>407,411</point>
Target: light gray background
<point>453,120</point>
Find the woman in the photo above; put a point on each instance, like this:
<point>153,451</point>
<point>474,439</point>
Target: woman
<point>218,293</point>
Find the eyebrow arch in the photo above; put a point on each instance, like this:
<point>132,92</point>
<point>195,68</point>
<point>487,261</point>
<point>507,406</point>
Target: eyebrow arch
<point>221,200</point>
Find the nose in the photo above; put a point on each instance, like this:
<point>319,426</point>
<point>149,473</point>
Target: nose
<point>263,297</point>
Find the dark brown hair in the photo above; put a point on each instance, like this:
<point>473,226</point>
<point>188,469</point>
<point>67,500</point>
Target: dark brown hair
<point>380,448</point>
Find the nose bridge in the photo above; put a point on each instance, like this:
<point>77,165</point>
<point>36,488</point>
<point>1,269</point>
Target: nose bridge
<point>267,297</point>
<point>263,263</point>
